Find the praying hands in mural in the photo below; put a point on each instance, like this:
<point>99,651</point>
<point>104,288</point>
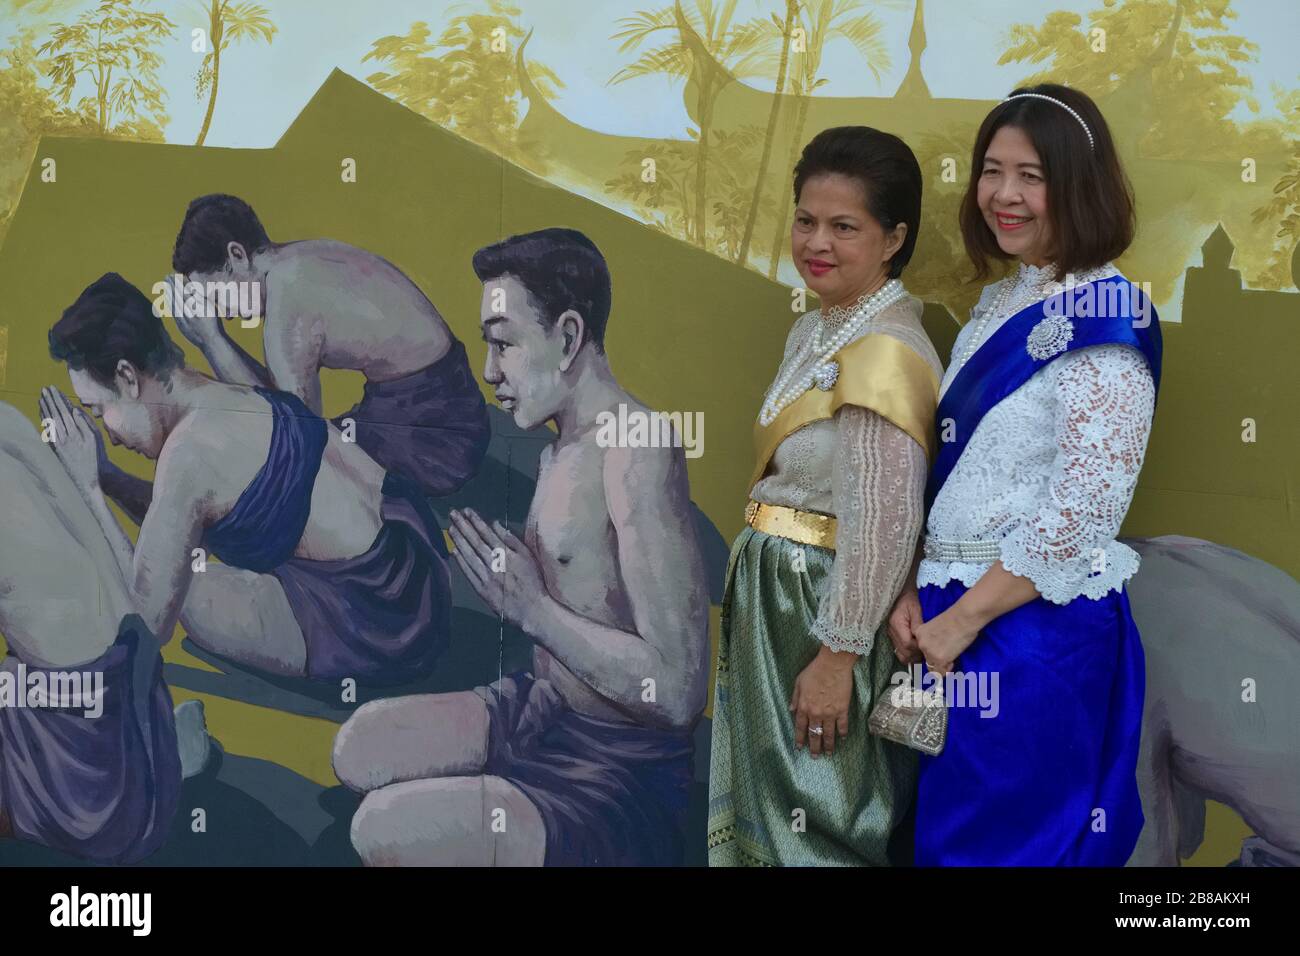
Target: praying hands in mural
<point>502,569</point>
<point>77,442</point>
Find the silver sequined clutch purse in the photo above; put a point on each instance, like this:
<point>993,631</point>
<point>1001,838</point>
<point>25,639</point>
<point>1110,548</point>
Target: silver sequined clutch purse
<point>911,717</point>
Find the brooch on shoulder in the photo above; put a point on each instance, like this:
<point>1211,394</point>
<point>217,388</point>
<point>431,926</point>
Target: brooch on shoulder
<point>1049,337</point>
<point>825,376</point>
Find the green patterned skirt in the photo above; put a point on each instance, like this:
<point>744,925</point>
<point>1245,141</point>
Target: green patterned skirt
<point>770,805</point>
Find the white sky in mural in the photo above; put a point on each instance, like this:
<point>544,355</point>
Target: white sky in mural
<point>263,88</point>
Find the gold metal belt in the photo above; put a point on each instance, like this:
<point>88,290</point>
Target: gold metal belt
<point>805,527</point>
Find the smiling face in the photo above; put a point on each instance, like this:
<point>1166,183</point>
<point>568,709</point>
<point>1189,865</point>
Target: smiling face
<point>125,417</point>
<point>840,250</point>
<point>526,357</point>
<point>1012,196</point>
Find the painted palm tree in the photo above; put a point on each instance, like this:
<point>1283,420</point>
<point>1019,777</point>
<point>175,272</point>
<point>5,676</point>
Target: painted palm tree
<point>706,46</point>
<point>466,79</point>
<point>819,22</point>
<point>782,70</point>
<point>227,23</point>
<point>113,46</point>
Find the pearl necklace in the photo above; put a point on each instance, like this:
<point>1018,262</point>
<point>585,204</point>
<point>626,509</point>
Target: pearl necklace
<point>995,311</point>
<point>823,372</point>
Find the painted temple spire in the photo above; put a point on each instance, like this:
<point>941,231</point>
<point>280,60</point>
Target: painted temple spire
<point>914,84</point>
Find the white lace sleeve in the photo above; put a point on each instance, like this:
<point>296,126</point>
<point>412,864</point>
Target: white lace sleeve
<point>878,488</point>
<point>1105,402</point>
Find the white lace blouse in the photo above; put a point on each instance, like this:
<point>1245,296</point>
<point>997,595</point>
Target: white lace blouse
<point>870,475</point>
<point>1051,469</point>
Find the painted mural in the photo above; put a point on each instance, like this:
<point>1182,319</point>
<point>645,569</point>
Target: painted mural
<point>299,382</point>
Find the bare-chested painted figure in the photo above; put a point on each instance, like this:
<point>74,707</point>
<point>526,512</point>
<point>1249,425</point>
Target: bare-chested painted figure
<point>101,782</point>
<point>586,760</point>
<point>330,567</point>
<point>326,304</point>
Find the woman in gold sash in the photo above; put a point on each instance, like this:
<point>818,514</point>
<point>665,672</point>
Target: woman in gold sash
<point>834,514</point>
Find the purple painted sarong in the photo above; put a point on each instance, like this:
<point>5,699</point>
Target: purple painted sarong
<point>102,788</point>
<point>430,426</point>
<point>383,616</point>
<point>610,793</point>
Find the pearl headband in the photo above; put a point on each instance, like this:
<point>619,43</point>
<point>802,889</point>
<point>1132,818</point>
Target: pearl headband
<point>1040,96</point>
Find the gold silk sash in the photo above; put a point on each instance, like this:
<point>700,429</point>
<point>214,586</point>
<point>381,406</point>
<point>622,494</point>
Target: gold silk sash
<point>877,372</point>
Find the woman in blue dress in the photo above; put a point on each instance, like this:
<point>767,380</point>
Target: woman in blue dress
<point>1043,421</point>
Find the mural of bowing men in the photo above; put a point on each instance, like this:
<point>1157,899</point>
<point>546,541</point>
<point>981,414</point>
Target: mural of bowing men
<point>331,568</point>
<point>326,304</point>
